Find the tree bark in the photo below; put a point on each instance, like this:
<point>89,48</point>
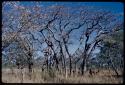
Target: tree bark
<point>70,61</point>
<point>83,66</point>
<point>114,68</point>
<point>63,58</point>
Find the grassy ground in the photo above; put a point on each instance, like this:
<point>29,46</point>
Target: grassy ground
<point>38,76</point>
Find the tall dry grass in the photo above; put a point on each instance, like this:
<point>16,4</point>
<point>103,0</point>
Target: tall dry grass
<point>53,76</point>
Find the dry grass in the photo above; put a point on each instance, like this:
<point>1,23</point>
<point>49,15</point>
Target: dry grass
<point>37,76</point>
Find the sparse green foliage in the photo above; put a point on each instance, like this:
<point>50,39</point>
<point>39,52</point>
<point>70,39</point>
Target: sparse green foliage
<point>112,51</point>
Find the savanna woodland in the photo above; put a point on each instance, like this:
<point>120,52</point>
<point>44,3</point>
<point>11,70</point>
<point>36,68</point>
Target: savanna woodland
<point>62,42</point>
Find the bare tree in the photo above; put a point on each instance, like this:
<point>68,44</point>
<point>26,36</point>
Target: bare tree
<point>53,28</point>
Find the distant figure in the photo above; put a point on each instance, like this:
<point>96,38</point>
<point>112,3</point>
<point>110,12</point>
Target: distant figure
<point>18,66</point>
<point>73,72</point>
<point>42,69</point>
<point>92,72</point>
<point>78,71</point>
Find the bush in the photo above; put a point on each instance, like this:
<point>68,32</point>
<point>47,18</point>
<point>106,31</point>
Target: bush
<point>52,73</point>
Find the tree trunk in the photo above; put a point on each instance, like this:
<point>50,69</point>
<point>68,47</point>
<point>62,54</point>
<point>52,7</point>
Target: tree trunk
<point>55,58</point>
<point>75,69</point>
<point>30,63</point>
<point>66,73</point>
<point>63,59</point>
<point>113,64</point>
<point>70,62</point>
<point>114,68</point>
<point>47,64</point>
<point>83,66</point>
<point>70,66</point>
<point>30,66</point>
<point>21,74</point>
<point>30,70</point>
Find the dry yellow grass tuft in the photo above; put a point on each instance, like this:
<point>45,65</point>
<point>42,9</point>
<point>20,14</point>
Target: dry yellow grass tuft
<point>38,76</point>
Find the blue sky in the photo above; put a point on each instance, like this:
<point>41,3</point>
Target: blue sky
<point>111,6</point>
